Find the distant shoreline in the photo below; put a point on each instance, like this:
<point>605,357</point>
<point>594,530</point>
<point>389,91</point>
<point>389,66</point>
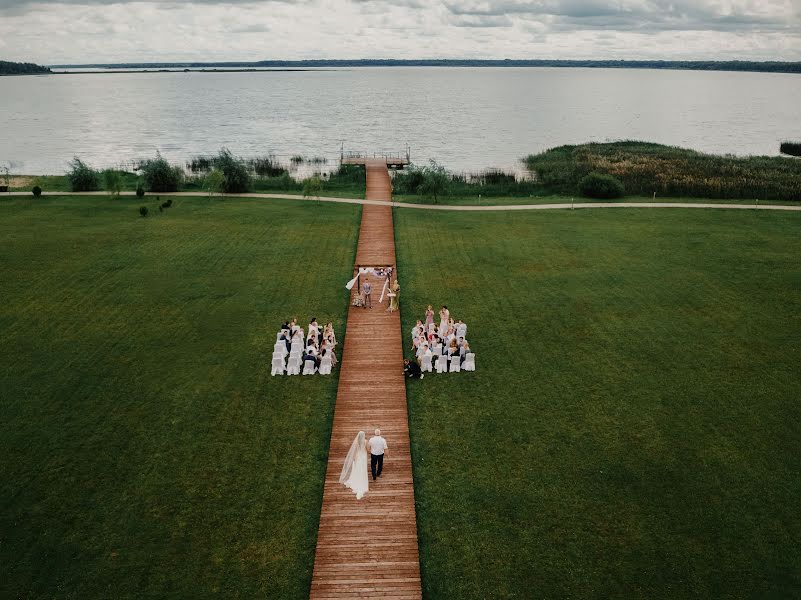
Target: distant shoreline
<point>306,65</point>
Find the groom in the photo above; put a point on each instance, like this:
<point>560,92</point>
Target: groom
<point>378,447</point>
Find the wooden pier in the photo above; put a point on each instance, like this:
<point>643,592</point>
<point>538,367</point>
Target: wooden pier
<point>368,548</point>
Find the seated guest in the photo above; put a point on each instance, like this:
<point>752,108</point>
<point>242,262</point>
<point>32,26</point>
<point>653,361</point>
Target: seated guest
<point>311,354</point>
<point>421,349</point>
<point>426,352</point>
<point>298,335</point>
<point>453,348</point>
<point>412,369</point>
<point>293,326</point>
<point>329,351</point>
<point>314,327</point>
<point>285,325</point>
<point>286,338</point>
<point>464,349</point>
<point>328,333</point>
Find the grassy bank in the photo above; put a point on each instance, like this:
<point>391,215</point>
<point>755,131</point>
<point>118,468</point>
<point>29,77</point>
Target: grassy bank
<point>632,430</point>
<point>645,169</point>
<point>146,450</point>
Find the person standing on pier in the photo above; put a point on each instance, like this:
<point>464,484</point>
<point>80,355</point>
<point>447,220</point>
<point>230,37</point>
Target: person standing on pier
<point>367,290</point>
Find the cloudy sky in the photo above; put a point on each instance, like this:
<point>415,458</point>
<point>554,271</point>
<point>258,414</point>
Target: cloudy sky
<point>84,31</point>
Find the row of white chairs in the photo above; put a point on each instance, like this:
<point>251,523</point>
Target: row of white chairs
<point>441,363</point>
<point>289,361</point>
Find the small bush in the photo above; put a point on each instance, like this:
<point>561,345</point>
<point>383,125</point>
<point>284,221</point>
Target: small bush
<point>237,177</point>
<point>790,148</point>
<point>140,191</point>
<point>112,182</point>
<point>83,178</point>
<point>214,182</point>
<point>37,191</point>
<point>604,187</point>
<point>160,176</point>
<point>143,211</point>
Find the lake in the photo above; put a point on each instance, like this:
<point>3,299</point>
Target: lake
<point>468,119</point>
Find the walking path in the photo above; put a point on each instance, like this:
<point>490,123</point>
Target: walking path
<point>501,207</point>
<point>368,548</point>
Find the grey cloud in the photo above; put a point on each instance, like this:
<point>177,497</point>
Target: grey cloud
<point>645,16</point>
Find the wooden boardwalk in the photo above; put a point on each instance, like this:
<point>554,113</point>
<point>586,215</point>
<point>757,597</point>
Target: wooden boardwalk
<point>368,548</point>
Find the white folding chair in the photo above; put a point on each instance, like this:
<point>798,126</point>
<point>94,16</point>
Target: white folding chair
<point>325,365</point>
<point>277,354</point>
<point>455,364</point>
<point>462,331</point>
<point>442,363</point>
<point>469,362</point>
<point>309,368</point>
<point>293,366</point>
<point>280,347</point>
<point>278,366</point>
<point>426,366</point>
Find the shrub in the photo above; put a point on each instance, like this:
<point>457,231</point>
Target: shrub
<point>160,176</point>
<point>143,211</point>
<point>112,182</point>
<point>83,178</point>
<point>214,182</point>
<point>237,177</point>
<point>37,191</point>
<point>140,191</point>
<point>791,148</point>
<point>597,185</point>
<point>312,187</point>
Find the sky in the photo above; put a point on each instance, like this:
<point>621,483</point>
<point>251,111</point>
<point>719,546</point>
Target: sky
<point>105,31</point>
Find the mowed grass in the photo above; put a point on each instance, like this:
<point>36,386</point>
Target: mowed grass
<point>633,429</point>
<point>146,450</point>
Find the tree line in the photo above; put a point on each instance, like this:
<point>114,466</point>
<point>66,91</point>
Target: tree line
<point>15,68</point>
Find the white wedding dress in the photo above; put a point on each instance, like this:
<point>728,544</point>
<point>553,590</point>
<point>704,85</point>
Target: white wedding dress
<point>354,471</point>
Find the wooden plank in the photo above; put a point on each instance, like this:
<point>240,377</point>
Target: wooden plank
<point>369,547</point>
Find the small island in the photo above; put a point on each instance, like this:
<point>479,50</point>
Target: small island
<point>15,68</point>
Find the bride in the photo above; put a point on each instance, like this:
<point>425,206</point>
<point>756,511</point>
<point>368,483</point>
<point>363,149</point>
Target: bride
<point>354,472</point>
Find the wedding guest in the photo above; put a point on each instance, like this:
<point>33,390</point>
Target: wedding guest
<point>453,348</point>
<point>444,315</point>
<point>427,352</point>
<point>311,354</point>
<point>429,317</point>
<point>394,300</point>
<point>421,349</point>
<point>464,350</point>
<point>412,369</point>
<point>286,338</point>
<point>367,290</point>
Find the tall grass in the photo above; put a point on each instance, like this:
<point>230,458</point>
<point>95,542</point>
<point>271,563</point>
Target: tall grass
<point>646,168</point>
<point>493,182</point>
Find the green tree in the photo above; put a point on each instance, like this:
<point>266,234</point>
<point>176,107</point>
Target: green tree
<point>112,182</point>
<point>215,182</point>
<point>435,181</point>
<point>312,187</point>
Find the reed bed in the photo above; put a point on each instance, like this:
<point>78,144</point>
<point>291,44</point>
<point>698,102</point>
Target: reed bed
<point>646,169</point>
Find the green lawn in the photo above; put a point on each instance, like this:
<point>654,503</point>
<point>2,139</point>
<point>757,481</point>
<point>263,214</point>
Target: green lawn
<point>146,451</point>
<point>564,199</point>
<point>634,427</point>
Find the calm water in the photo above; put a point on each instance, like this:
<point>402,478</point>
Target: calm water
<point>467,119</point>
